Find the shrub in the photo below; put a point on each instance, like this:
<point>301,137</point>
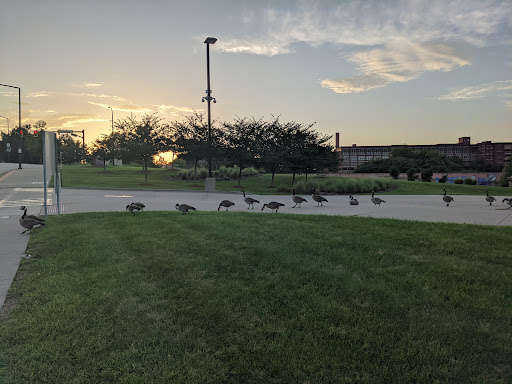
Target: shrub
<point>458,181</point>
<point>469,181</point>
<point>426,175</point>
<point>394,173</point>
<point>411,174</point>
<point>443,179</point>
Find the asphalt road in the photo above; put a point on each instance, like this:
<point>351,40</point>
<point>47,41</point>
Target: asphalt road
<point>25,187</point>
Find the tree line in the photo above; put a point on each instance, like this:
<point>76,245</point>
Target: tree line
<point>272,145</point>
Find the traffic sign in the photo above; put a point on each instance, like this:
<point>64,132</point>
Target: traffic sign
<point>65,131</point>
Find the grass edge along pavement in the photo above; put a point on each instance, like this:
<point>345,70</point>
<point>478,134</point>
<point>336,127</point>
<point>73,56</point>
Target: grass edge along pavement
<point>234,297</point>
<point>133,178</point>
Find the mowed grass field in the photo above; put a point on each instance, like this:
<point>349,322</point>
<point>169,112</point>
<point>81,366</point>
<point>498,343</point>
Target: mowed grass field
<point>133,178</point>
<point>228,297</point>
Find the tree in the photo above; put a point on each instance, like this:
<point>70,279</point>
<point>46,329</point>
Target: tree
<point>241,139</point>
<point>190,139</point>
<point>394,172</point>
<point>144,139</point>
<point>426,175</point>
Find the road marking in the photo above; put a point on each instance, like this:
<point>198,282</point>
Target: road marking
<point>5,176</point>
<point>117,196</point>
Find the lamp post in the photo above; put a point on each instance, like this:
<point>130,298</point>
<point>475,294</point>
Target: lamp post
<point>19,123</point>
<point>208,98</point>
<point>112,133</point>
<point>7,123</point>
<point>112,119</point>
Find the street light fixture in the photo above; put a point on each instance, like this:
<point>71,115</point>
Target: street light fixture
<point>209,98</point>
<point>19,116</point>
<point>7,123</point>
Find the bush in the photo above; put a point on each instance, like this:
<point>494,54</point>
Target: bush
<point>443,179</point>
<point>469,181</point>
<point>340,185</point>
<point>426,175</point>
<point>411,174</point>
<point>394,173</point>
<point>458,181</point>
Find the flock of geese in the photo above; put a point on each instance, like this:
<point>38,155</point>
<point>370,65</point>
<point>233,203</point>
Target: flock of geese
<point>30,221</point>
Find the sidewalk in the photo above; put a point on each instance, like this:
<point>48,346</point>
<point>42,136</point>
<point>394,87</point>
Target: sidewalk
<point>18,187</point>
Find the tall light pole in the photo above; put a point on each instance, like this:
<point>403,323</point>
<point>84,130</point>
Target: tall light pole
<point>209,98</point>
<point>19,116</point>
<point>112,119</point>
<point>7,123</point>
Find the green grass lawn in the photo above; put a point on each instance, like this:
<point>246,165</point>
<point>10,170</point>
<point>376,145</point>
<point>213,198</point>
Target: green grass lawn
<point>133,177</point>
<point>228,297</point>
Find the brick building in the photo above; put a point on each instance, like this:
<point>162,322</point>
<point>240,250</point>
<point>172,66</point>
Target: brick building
<point>497,153</point>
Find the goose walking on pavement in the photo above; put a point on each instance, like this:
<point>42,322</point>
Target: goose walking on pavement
<point>297,199</point>
<point>488,198</point>
<point>249,201</point>
<point>226,204</point>
<point>29,221</point>
<point>509,202</point>
<point>353,201</point>
<point>319,199</point>
<point>447,199</point>
<point>376,200</point>
<point>273,205</point>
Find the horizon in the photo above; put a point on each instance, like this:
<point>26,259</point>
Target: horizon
<point>379,73</point>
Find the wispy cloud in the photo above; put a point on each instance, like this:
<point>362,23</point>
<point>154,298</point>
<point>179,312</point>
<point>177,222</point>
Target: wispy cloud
<point>500,88</point>
<point>38,94</point>
<point>102,96</point>
<point>398,62</point>
<point>88,84</point>
<point>72,120</point>
<point>173,110</point>
<point>372,23</point>
<point>396,40</point>
<point>124,108</point>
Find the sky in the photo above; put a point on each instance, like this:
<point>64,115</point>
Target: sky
<point>379,72</point>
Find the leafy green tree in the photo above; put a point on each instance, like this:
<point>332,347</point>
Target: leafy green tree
<point>394,172</point>
<point>144,139</point>
<point>426,175</point>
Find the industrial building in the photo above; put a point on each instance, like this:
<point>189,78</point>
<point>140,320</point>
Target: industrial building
<point>497,153</point>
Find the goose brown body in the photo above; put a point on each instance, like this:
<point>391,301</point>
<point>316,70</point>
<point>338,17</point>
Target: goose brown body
<point>273,205</point>
<point>297,199</point>
<point>250,201</point>
<point>319,199</point>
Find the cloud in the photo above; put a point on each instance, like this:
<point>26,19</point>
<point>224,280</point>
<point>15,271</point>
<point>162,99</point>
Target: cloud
<point>38,94</point>
<point>174,110</point>
<point>124,108</point>
<point>373,23</point>
<point>86,84</point>
<point>399,61</point>
<point>102,96</point>
<point>72,120</point>
<point>479,91</point>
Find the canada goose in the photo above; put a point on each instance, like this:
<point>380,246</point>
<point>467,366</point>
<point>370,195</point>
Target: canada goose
<point>376,200</point>
<point>140,205</point>
<point>447,199</point>
<point>319,199</point>
<point>249,201</point>
<point>353,201</point>
<point>297,199</point>
<point>490,199</point>
<point>509,202</point>
<point>23,208</point>
<point>273,205</point>
<point>225,203</point>
<point>133,208</point>
<point>184,208</point>
<point>29,221</point>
